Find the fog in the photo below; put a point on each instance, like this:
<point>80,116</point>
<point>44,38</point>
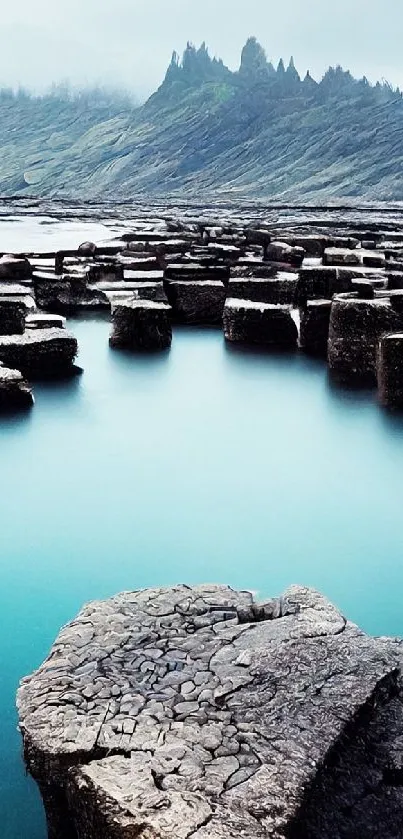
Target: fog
<point>128,43</point>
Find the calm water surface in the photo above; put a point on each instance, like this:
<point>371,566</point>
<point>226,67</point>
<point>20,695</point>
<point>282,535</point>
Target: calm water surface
<point>200,464</point>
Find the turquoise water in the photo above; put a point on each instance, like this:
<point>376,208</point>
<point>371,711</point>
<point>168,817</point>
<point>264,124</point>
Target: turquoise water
<point>204,463</point>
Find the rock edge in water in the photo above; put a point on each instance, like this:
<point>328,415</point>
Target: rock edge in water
<point>197,711</point>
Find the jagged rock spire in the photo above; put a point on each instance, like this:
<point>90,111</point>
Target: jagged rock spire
<point>253,60</point>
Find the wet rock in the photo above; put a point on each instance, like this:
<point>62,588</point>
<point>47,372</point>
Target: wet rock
<point>141,325</point>
<point>356,327</point>
<point>314,327</point>
<point>320,282</point>
<point>294,723</point>
<point>12,316</point>
<point>196,302</point>
<point>67,293</point>
<point>14,269</point>
<point>259,323</point>
<point>341,256</point>
<point>390,370</point>
<point>47,352</point>
<point>40,321</point>
<point>15,392</point>
<point>280,290</point>
<point>282,252</point>
<point>192,272</point>
<point>87,249</point>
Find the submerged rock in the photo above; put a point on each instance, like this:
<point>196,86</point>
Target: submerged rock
<point>197,711</point>
<point>259,323</point>
<point>141,325</point>
<point>15,392</point>
<point>49,352</point>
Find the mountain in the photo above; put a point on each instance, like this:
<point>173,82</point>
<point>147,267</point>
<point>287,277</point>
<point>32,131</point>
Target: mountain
<point>259,132</point>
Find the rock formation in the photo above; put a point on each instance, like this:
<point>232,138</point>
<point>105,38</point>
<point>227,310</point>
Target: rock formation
<point>200,302</point>
<point>259,323</point>
<point>12,316</point>
<point>314,327</point>
<point>390,370</point>
<point>356,327</point>
<point>141,325</point>
<point>199,712</point>
<point>15,392</point>
<point>39,352</point>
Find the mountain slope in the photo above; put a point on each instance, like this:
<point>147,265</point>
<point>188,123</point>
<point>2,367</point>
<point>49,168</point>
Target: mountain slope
<point>260,132</point>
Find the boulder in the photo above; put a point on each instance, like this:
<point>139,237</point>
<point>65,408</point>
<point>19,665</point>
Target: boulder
<point>198,711</point>
<point>356,327</point>
<point>88,249</point>
<point>47,352</point>
<point>15,392</point>
<point>14,269</point>
<point>141,325</point>
<point>279,290</point>
<point>390,370</point>
<point>259,323</point>
<point>196,302</point>
<point>282,252</point>
<point>12,316</point>
<point>314,327</point>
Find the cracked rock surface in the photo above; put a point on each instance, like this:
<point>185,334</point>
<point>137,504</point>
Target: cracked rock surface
<point>199,712</point>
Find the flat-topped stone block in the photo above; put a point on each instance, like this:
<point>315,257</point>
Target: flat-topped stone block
<point>15,392</point>
<point>259,323</point>
<point>195,271</point>
<point>314,327</point>
<point>355,329</point>
<point>279,290</point>
<point>12,316</point>
<point>141,325</point>
<point>38,352</point>
<point>197,302</point>
<point>199,711</point>
<point>390,370</point>
<point>41,321</point>
<point>66,293</point>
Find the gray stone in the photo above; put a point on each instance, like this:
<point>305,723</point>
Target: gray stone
<point>259,323</point>
<point>306,728</point>
<point>48,352</point>
<point>141,325</point>
<point>15,393</point>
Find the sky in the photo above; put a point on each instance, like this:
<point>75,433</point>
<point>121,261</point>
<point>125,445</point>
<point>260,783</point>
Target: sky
<point>129,43</point>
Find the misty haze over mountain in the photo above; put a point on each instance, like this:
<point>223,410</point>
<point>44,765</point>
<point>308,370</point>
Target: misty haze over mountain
<point>128,43</point>
<point>263,131</point>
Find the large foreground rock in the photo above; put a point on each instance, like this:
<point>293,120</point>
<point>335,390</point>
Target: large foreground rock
<point>259,323</point>
<point>39,352</point>
<point>141,325</point>
<point>199,712</point>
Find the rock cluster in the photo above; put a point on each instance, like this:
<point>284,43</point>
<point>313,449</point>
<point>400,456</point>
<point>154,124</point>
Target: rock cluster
<point>201,712</point>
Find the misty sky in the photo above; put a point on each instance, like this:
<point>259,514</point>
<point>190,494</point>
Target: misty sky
<point>129,42</point>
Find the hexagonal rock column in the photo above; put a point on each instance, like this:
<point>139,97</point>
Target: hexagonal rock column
<point>200,712</point>
<point>199,302</point>
<point>314,328</point>
<point>48,352</point>
<point>15,392</point>
<point>390,370</point>
<point>259,323</point>
<point>141,325</point>
<point>12,316</point>
<point>356,326</point>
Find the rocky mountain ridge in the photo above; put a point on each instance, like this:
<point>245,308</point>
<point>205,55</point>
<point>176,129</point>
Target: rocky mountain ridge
<point>259,132</point>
